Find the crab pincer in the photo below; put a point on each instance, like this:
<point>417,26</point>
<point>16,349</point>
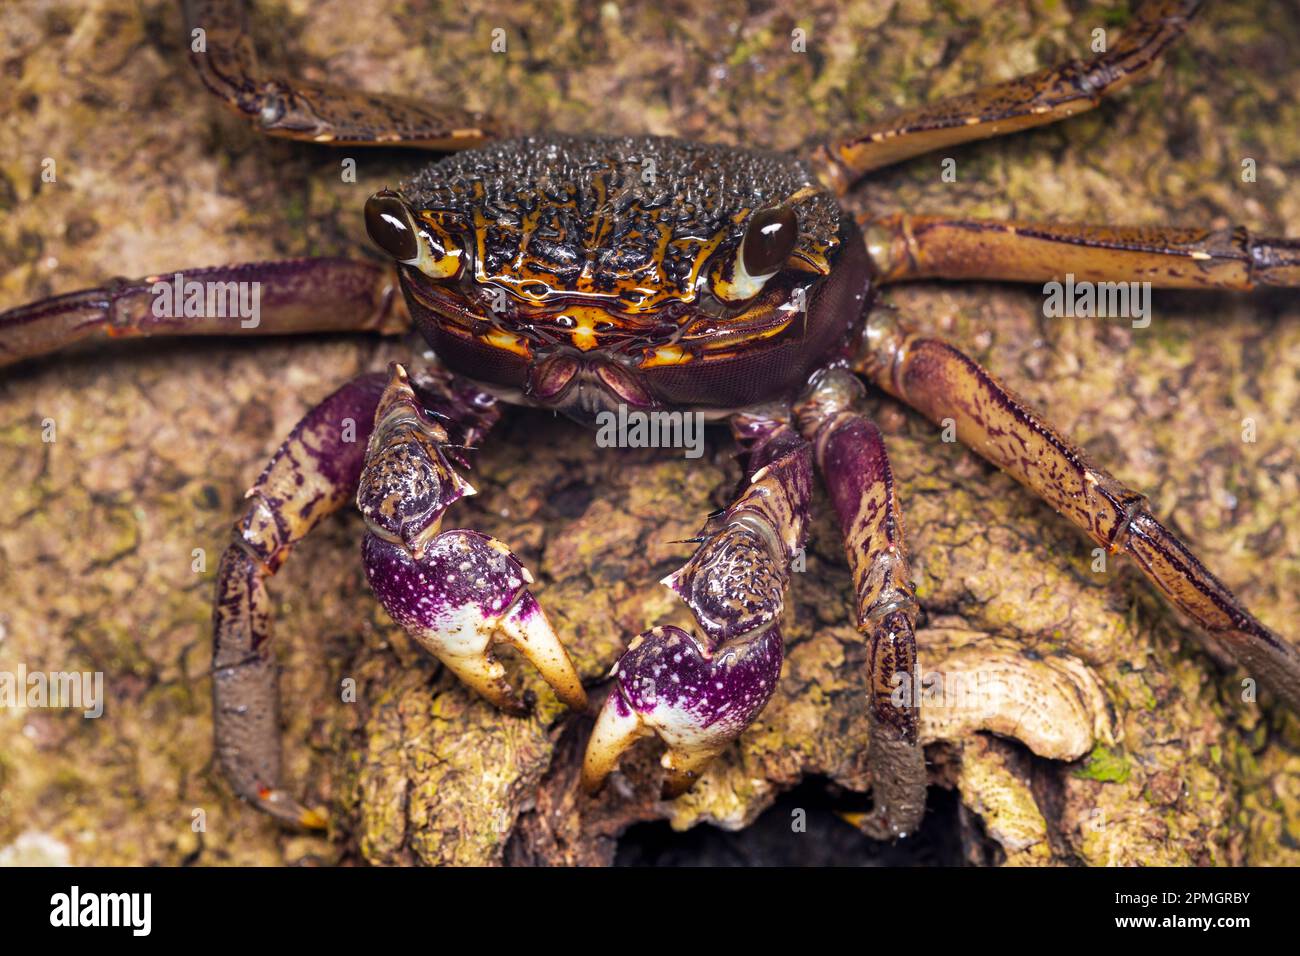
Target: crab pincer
<point>698,691</point>
<point>458,593</point>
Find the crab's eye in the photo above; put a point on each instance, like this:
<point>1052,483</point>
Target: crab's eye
<point>770,237</point>
<point>392,228</point>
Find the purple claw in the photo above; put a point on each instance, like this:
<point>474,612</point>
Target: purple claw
<point>697,693</point>
<point>697,702</point>
<point>456,592</point>
<point>466,592</point>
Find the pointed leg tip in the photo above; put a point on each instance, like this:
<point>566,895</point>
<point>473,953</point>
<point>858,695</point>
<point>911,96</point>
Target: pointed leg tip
<point>877,826</point>
<point>313,819</point>
<point>601,759</point>
<point>575,700</point>
<point>854,820</point>
<point>484,675</point>
<point>683,769</point>
<point>566,686</point>
<point>591,781</point>
<point>279,804</point>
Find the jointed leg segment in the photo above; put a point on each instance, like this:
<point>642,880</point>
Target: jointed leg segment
<point>312,475</point>
<point>319,112</point>
<point>852,460</point>
<point>943,247</point>
<point>1028,101</point>
<point>293,295</point>
<point>455,591</point>
<point>941,382</point>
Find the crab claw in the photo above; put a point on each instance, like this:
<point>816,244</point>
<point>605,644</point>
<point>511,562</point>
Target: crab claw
<point>464,594</point>
<point>698,691</point>
<point>697,702</point>
<point>456,592</point>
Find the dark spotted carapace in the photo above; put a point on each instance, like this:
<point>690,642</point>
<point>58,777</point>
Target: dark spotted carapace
<point>582,273</point>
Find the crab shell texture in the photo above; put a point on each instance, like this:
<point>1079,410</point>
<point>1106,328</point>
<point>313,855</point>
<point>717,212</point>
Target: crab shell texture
<point>593,272</point>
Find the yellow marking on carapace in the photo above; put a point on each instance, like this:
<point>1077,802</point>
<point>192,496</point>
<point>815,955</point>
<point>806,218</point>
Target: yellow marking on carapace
<point>801,194</point>
<point>508,341</point>
<point>601,221</point>
<point>733,346</point>
<point>583,333</point>
<point>775,330</point>
<point>480,245</point>
<point>665,231</point>
<point>706,250</point>
<point>718,344</point>
<point>666,355</point>
<point>528,227</point>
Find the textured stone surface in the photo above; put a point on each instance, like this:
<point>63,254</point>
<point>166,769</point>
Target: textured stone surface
<point>156,443</point>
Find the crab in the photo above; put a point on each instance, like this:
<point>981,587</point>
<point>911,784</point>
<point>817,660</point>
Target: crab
<point>659,276</point>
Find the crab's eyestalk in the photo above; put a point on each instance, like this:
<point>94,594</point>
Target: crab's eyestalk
<point>770,238</point>
<point>393,228</point>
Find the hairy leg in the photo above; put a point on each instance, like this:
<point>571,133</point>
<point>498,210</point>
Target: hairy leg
<point>941,382</point>
<point>319,112</point>
<point>1033,100</point>
<point>698,691</point>
<point>946,247</point>
<point>292,295</point>
<point>851,457</point>
<point>457,593</point>
<point>312,475</point>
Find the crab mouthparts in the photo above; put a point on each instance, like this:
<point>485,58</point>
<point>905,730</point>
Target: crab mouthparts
<point>583,387</point>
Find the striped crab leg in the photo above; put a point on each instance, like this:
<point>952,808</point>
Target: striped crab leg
<point>942,382</point>
<point>311,476</point>
<point>853,464</point>
<point>294,108</point>
<point>1035,99</point>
